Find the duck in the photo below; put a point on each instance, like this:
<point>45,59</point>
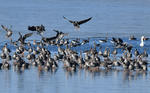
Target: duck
<point>103,40</point>
<point>132,37</point>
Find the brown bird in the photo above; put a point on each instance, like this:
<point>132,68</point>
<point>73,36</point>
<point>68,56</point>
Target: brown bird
<point>22,38</point>
<point>38,29</point>
<point>58,36</point>
<point>78,23</point>
<point>9,31</point>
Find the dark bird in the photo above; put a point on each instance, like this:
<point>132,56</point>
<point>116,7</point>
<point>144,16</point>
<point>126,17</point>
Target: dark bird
<point>136,52</point>
<point>78,23</point>
<point>119,40</point>
<point>145,38</point>
<point>22,38</point>
<point>132,37</point>
<point>9,31</point>
<point>39,29</point>
<point>58,36</point>
<point>114,40</point>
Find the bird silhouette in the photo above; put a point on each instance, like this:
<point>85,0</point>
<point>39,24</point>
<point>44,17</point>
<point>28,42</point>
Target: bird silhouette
<point>9,31</point>
<point>39,29</point>
<point>78,23</point>
<point>23,37</point>
<point>57,37</point>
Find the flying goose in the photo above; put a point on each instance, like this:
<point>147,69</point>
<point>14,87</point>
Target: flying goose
<point>40,29</point>
<point>9,31</point>
<point>58,36</point>
<point>23,37</point>
<point>78,23</point>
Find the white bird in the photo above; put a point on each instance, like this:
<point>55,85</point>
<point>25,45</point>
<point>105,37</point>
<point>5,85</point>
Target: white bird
<point>142,41</point>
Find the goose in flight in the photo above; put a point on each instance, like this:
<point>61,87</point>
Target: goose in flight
<point>9,31</point>
<point>58,36</point>
<point>39,29</point>
<point>78,23</point>
<point>22,38</point>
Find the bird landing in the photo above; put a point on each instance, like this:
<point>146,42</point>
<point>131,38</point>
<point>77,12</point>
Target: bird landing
<point>77,24</point>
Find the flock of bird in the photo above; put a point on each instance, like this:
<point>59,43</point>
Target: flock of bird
<point>37,54</point>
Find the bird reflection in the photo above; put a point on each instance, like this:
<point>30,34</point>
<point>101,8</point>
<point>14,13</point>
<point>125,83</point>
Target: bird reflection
<point>127,75</point>
<point>131,75</point>
<point>69,73</point>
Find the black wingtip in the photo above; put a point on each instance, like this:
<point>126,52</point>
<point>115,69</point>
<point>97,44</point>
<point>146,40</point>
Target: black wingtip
<point>90,18</point>
<point>64,17</point>
<point>55,30</point>
<point>3,26</point>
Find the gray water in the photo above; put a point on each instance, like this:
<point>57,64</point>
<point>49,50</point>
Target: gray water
<point>119,18</point>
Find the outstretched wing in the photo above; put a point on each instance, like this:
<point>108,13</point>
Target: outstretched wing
<point>6,29</point>
<point>84,21</point>
<point>57,31</point>
<point>68,20</point>
<point>32,28</point>
<point>42,27</point>
<point>27,35</point>
<point>120,40</point>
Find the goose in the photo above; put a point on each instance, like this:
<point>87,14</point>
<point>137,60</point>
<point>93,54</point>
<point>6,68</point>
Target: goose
<point>103,40</point>
<point>132,37</point>
<point>24,37</point>
<point>78,23</point>
<point>142,41</point>
<point>9,31</point>
<point>136,52</point>
<point>58,36</point>
<point>39,29</point>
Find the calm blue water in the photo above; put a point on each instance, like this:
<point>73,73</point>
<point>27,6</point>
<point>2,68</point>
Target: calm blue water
<point>120,18</point>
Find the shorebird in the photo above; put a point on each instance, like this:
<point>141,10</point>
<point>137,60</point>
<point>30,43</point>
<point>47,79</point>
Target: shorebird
<point>78,23</point>
<point>9,31</point>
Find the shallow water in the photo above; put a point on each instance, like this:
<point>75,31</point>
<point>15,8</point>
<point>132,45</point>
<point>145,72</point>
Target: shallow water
<point>119,18</point>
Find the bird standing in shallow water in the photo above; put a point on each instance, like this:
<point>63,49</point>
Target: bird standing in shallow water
<point>78,23</point>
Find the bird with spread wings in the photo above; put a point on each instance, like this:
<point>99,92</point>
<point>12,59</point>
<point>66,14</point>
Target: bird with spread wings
<point>78,23</point>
